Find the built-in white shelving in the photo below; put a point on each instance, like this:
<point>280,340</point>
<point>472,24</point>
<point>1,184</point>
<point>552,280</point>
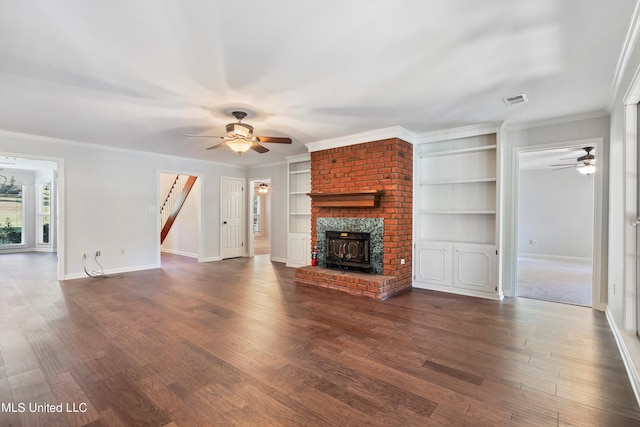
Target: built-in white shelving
<point>299,211</point>
<point>456,219</point>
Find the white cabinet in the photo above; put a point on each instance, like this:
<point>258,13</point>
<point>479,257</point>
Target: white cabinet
<point>475,267</point>
<point>456,214</point>
<point>299,211</point>
<point>434,263</point>
<point>298,250</point>
<point>464,268</point>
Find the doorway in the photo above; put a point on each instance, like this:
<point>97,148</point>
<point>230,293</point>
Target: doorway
<point>556,226</point>
<point>260,232</point>
<point>31,208</point>
<point>184,235</point>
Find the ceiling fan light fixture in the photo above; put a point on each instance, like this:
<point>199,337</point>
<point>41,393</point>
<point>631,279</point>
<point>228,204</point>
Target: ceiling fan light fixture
<point>263,188</point>
<point>586,169</point>
<point>239,129</point>
<point>240,145</point>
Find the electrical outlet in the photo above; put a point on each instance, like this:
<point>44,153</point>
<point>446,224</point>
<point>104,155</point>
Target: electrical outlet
<point>533,242</point>
<point>402,261</point>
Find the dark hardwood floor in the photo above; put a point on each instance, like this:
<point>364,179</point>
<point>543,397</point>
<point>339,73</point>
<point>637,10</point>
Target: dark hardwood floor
<point>235,342</point>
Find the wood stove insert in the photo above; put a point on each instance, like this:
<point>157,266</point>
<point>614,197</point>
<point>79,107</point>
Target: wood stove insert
<point>348,250</point>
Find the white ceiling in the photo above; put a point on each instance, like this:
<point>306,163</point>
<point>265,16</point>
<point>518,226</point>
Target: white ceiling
<point>139,74</point>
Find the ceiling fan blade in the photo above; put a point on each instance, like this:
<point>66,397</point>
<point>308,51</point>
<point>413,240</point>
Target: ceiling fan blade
<point>203,136</point>
<point>274,139</point>
<point>259,148</point>
<point>565,164</point>
<point>213,147</point>
<point>564,167</point>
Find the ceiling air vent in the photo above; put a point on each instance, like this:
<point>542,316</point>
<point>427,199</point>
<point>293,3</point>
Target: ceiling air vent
<point>517,99</point>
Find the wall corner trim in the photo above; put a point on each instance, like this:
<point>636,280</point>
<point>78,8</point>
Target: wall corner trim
<point>629,363</point>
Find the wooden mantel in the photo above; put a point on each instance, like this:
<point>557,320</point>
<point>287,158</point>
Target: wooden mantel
<point>354,199</point>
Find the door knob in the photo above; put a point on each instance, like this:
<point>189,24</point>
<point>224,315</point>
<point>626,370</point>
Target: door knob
<point>224,222</point>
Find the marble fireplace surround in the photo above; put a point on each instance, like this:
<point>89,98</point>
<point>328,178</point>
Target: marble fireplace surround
<point>373,226</point>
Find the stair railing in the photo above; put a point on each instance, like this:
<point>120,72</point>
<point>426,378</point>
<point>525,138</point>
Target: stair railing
<point>174,201</point>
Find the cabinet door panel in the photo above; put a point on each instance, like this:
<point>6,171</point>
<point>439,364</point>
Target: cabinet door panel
<point>474,267</point>
<point>298,250</point>
<point>433,263</point>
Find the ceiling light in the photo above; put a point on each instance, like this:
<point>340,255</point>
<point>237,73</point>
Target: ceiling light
<point>586,169</point>
<point>240,145</point>
<point>263,188</point>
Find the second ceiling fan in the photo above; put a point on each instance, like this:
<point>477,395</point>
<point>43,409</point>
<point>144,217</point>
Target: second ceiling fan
<point>240,137</point>
<point>585,164</point>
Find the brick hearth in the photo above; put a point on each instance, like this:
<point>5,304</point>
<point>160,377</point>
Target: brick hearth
<point>385,165</point>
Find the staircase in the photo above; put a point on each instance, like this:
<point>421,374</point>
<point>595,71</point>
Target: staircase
<point>174,201</point>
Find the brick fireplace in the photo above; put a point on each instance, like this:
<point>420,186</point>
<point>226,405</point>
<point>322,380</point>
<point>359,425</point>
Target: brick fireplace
<point>365,187</point>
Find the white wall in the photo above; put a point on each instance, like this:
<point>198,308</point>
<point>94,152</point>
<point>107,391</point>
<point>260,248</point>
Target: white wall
<point>108,197</point>
<point>555,209</point>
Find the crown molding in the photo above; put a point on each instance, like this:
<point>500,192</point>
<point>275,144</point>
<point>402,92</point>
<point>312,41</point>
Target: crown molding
<point>628,48</point>
<point>298,158</point>
<point>69,142</point>
<point>556,121</point>
<point>460,132</point>
<point>361,138</point>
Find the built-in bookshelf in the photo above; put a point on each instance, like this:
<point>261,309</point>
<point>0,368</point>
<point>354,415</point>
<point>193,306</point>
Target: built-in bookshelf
<point>456,208</point>
<point>299,210</point>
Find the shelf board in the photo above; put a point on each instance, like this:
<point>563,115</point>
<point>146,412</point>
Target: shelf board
<point>458,212</point>
<point>458,151</point>
<point>298,193</point>
<point>356,199</point>
<point>459,181</point>
<point>300,213</point>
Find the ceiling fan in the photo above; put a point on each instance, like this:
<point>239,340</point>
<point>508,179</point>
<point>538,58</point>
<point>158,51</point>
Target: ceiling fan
<point>585,164</point>
<point>240,137</point>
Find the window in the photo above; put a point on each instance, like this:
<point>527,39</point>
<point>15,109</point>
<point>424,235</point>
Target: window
<point>256,214</point>
<point>43,213</point>
<point>11,212</point>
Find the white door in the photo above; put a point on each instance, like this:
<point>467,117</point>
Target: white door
<point>232,212</point>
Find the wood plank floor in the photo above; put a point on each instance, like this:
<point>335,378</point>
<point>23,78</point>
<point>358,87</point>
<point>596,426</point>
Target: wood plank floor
<point>236,343</point>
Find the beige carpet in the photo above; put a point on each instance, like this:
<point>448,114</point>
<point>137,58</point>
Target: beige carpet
<point>555,280</point>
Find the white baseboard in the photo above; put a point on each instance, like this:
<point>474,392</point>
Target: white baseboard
<point>16,250</point>
<point>174,252</point>
<point>210,259</point>
<point>629,347</point>
<point>280,260</point>
<point>557,257</point>
<point>457,291</point>
<point>114,271</point>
